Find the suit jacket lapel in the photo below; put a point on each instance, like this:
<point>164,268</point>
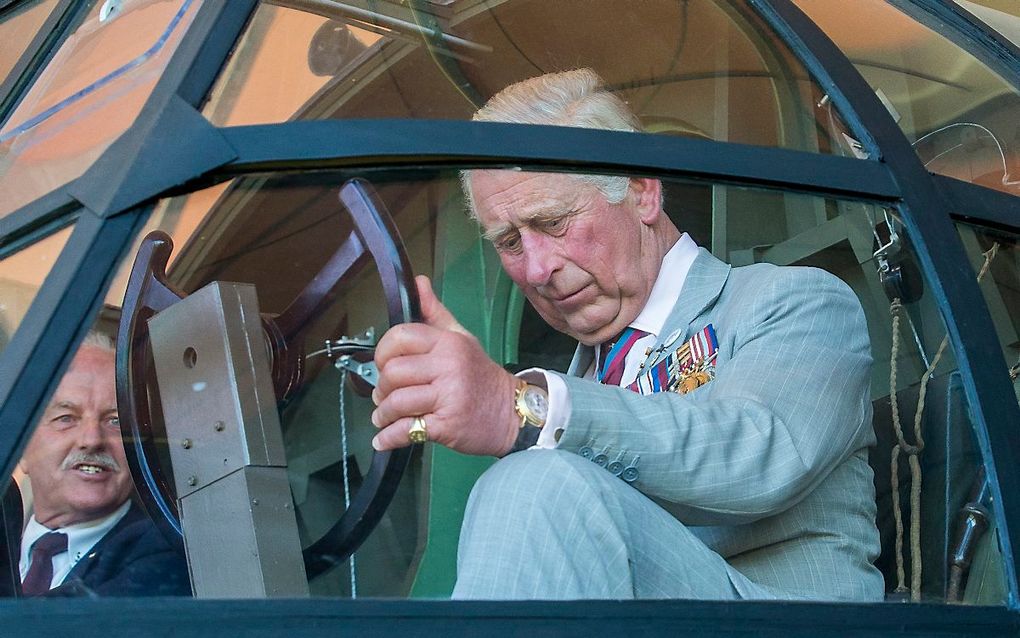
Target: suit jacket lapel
<point>91,559</point>
<point>702,287</point>
<point>583,357</point>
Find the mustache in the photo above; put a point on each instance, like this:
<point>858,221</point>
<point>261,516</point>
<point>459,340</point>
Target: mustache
<point>90,458</point>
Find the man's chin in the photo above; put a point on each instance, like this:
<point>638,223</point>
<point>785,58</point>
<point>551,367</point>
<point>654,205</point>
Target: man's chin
<point>98,505</point>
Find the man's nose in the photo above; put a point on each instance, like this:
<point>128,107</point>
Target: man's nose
<point>91,434</point>
<point>540,258</point>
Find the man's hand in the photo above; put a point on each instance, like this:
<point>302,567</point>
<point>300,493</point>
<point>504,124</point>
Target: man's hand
<point>438,370</point>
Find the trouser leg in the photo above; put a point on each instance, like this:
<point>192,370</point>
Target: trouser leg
<point>548,524</point>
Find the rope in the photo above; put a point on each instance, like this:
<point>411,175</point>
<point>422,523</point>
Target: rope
<point>895,308</point>
<point>913,451</point>
<point>347,482</point>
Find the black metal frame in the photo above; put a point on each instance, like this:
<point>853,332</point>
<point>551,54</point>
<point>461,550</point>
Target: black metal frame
<point>969,33</point>
<point>115,207</point>
<point>328,618</point>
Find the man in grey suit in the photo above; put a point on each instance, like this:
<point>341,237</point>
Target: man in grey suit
<point>710,438</point>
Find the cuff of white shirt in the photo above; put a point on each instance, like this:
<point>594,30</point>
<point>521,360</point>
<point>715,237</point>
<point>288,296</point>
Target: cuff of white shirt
<point>559,405</point>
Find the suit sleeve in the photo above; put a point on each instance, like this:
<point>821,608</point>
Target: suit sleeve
<point>789,402</point>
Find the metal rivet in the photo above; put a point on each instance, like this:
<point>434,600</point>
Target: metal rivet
<point>192,480</point>
<point>186,444</point>
<point>219,425</point>
<point>254,501</point>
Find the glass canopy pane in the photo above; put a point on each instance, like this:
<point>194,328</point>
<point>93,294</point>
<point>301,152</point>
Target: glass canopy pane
<point>705,68</point>
<point>88,95</point>
<point>17,31</point>
<point>21,276</point>
<point>996,253</point>
<point>274,231</point>
<point>959,116</point>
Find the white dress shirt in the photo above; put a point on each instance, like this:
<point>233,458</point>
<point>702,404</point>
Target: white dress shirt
<point>81,537</point>
<point>669,282</point>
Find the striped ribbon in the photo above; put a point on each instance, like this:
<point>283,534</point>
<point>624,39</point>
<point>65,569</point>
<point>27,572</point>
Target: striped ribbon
<point>613,361</point>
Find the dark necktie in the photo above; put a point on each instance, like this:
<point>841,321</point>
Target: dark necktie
<point>40,572</point>
<point>613,355</point>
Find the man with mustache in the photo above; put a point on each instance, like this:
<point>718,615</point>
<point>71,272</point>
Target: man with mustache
<point>710,438</point>
<point>85,536</point>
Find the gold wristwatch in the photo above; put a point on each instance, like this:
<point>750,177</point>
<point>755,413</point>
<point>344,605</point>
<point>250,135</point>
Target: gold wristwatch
<point>531,403</point>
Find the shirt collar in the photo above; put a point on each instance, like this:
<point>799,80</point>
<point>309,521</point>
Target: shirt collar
<point>668,283</point>
<point>81,537</point>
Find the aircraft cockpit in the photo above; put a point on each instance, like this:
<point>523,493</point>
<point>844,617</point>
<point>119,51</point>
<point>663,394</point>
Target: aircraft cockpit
<point>236,196</point>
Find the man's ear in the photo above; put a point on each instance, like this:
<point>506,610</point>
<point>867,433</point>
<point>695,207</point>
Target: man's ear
<point>647,194</point>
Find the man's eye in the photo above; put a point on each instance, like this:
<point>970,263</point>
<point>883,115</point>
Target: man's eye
<point>64,420</point>
<point>511,244</point>
<point>113,422</point>
<point>554,225</point>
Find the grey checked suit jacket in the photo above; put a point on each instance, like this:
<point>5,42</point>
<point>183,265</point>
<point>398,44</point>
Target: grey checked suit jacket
<point>766,464</point>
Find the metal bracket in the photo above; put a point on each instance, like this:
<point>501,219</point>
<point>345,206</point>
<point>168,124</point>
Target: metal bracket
<point>364,370</point>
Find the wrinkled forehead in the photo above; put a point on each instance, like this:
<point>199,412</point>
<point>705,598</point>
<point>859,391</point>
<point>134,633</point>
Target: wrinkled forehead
<point>91,374</point>
<point>499,195</point>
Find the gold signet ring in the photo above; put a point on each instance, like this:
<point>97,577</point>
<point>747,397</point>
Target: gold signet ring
<point>418,432</point>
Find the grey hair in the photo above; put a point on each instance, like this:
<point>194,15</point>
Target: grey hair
<point>575,98</point>
<point>96,339</point>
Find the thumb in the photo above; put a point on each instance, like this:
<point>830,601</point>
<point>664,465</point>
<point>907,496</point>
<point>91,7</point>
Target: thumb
<point>433,312</point>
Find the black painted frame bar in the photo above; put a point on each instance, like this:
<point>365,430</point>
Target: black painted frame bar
<point>45,215</point>
<point>968,32</point>
<point>977,204</point>
<point>381,143</point>
<point>328,618</point>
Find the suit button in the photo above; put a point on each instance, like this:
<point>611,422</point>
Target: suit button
<point>630,474</point>
<point>616,467</point>
<point>601,458</point>
<point>586,452</point>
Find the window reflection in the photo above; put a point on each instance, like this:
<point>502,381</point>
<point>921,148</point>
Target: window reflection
<point>708,69</point>
<point>275,232</point>
<point>88,95</point>
<point>959,116</point>
<point>17,31</point>
<point>21,276</point>
<point>996,253</point>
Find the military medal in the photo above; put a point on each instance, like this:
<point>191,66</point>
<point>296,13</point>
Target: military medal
<point>689,367</point>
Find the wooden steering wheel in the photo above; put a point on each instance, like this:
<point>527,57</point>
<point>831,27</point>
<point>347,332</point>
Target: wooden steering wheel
<point>149,292</point>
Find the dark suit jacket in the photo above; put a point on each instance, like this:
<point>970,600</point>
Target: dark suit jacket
<point>132,559</point>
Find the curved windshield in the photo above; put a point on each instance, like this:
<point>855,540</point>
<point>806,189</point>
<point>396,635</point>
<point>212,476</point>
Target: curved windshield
<point>958,114</point>
<point>709,69</point>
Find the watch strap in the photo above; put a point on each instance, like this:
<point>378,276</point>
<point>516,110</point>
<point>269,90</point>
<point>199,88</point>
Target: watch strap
<point>527,437</point>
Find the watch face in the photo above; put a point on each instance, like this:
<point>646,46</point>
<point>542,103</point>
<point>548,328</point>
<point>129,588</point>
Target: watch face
<point>537,403</point>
